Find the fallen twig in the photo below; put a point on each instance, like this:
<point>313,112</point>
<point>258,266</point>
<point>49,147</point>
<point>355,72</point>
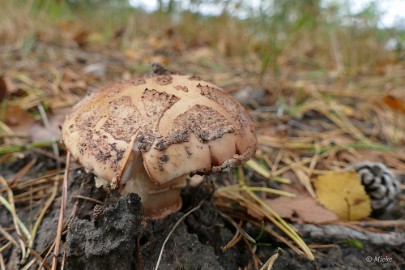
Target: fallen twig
<point>61,214</point>
<point>337,232</point>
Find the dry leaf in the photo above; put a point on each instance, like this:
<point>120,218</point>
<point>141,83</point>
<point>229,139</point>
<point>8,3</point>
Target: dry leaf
<point>394,103</point>
<point>3,88</point>
<point>302,209</point>
<point>19,120</point>
<point>81,38</point>
<point>343,194</point>
<point>15,116</point>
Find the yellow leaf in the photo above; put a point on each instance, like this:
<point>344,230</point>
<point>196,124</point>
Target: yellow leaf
<point>343,194</point>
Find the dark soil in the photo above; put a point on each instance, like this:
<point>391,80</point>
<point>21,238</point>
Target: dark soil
<point>113,235</point>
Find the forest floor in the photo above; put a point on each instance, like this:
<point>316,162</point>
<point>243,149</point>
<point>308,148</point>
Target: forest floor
<point>308,122</point>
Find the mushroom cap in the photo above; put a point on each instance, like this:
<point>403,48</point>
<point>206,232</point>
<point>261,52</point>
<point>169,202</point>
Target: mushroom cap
<point>180,124</point>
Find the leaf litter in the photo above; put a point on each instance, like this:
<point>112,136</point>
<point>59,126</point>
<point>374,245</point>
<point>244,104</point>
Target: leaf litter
<point>306,128</point>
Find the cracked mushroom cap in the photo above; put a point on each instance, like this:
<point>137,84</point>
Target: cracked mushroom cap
<point>180,125</point>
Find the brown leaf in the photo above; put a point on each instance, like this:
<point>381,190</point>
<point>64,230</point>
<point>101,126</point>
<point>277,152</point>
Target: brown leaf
<point>3,88</point>
<point>15,115</point>
<point>394,103</point>
<point>302,209</point>
<point>18,119</point>
<point>81,38</point>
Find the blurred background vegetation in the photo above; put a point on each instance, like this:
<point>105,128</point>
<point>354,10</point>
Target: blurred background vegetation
<point>320,37</point>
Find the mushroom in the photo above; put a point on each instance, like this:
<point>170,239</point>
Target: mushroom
<point>147,135</point>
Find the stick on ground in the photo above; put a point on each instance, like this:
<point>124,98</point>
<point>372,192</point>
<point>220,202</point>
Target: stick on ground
<point>61,214</point>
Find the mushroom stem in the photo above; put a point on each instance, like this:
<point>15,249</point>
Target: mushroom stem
<point>157,200</point>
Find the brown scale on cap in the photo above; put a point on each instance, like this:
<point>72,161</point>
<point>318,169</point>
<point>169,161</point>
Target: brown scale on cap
<point>150,133</point>
<point>181,88</point>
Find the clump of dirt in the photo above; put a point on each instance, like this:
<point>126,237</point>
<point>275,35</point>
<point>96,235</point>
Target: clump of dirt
<point>182,251</point>
<point>103,242</point>
<point>211,229</point>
